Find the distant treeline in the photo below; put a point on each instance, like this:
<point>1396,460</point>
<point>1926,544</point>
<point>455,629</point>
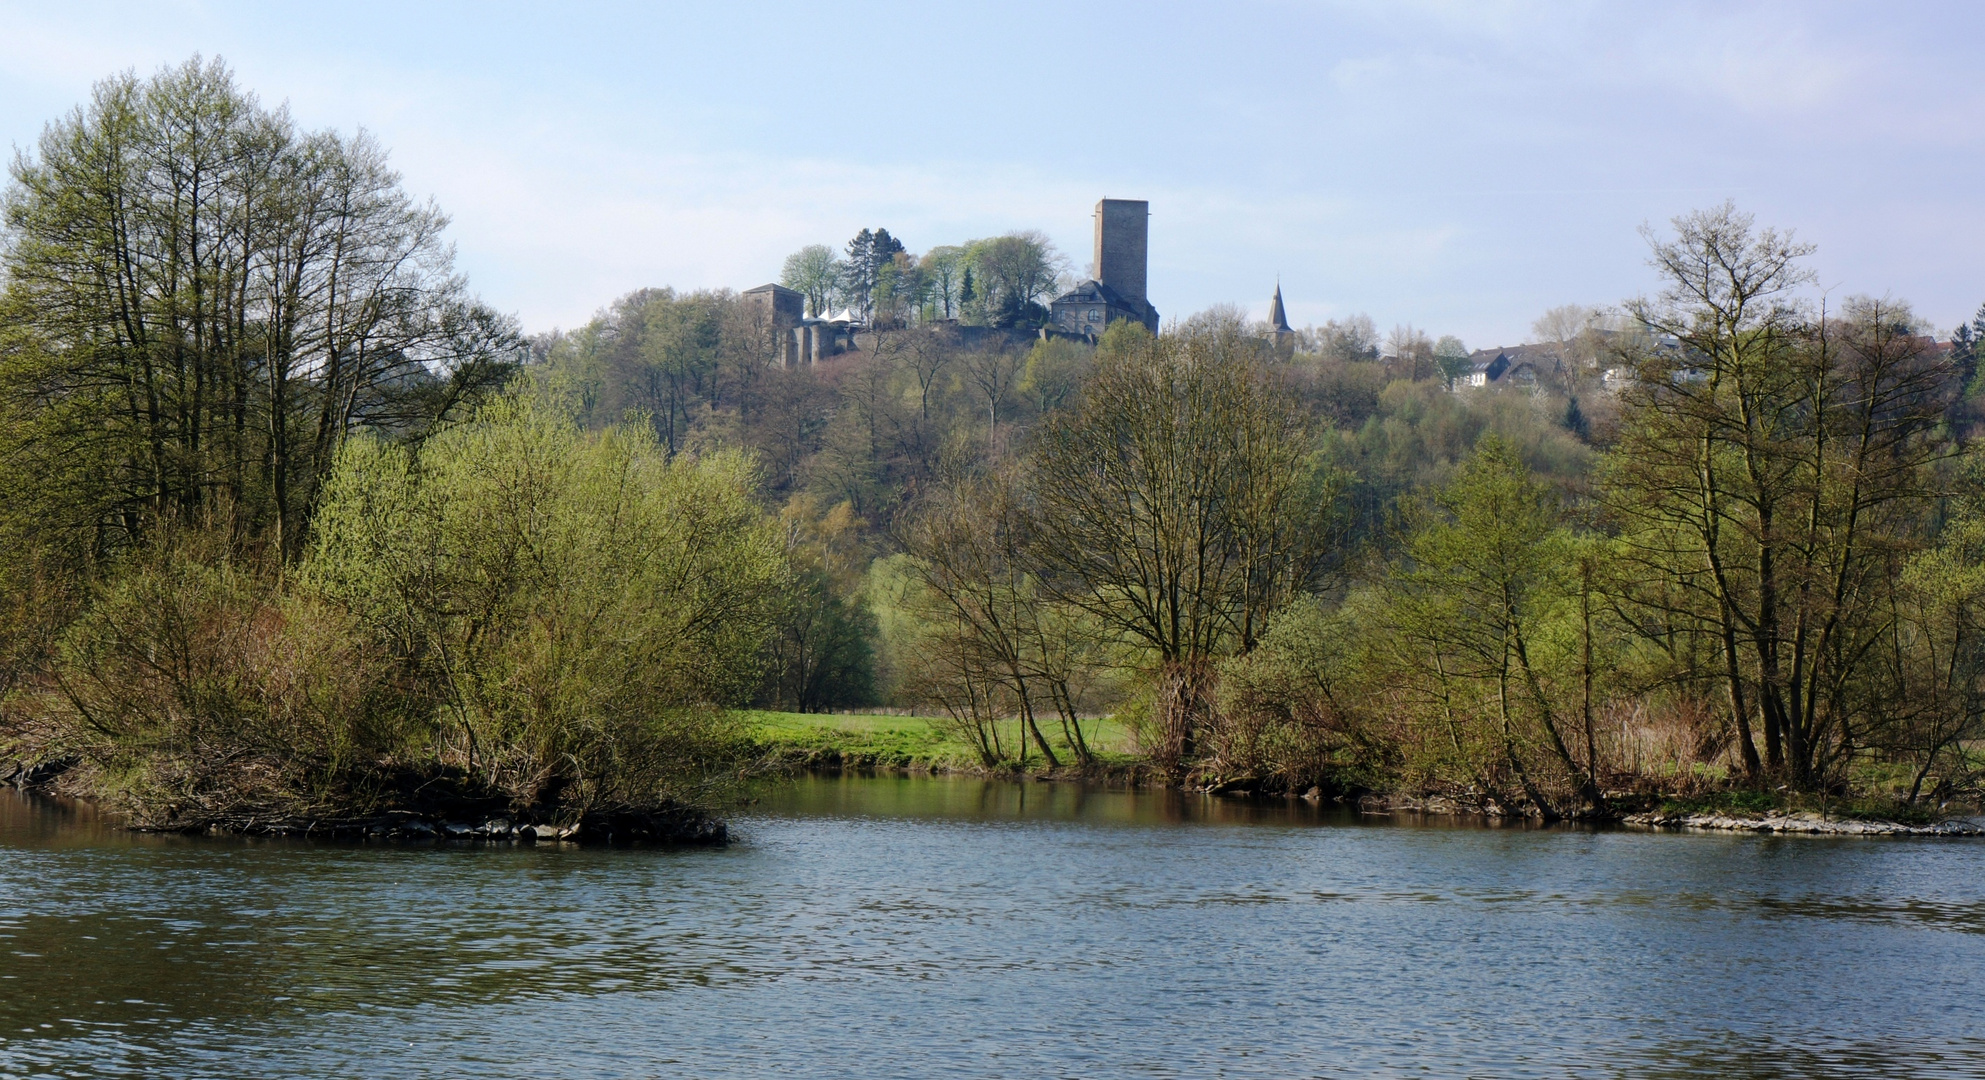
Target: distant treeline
<point>292,524</point>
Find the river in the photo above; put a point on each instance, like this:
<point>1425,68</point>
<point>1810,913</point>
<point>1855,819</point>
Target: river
<point>895,927</point>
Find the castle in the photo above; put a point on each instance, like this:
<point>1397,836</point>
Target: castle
<point>1117,290</point>
<point>796,339</point>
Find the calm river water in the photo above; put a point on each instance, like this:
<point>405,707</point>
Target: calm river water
<point>918,927</point>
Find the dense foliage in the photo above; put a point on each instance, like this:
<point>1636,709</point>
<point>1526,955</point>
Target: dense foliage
<point>294,525</point>
<point>202,301</point>
<point>274,544</point>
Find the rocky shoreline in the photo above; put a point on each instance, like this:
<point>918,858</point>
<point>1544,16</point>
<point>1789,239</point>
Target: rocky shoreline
<point>687,827</point>
<point>437,821</point>
<point>1806,822</point>
<point>1800,822</point>
<point>682,825</point>
<point>832,761</point>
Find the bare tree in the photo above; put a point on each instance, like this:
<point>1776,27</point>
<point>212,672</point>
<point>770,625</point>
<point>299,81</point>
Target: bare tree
<point>1348,339</point>
<point>968,544</point>
<point>1767,468</point>
<point>1575,334</point>
<point>993,371</point>
<point>1412,352</point>
<point>1174,507</point>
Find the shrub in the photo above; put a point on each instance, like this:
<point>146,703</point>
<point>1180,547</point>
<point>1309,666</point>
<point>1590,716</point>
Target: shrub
<point>583,605</point>
<point>192,690</point>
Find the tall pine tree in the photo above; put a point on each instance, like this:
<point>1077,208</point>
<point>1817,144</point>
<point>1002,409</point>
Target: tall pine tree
<point>868,253</point>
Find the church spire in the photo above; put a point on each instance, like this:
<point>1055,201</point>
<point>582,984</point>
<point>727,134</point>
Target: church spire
<point>1277,321</point>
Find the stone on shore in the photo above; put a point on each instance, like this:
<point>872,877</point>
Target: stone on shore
<point>1804,822</point>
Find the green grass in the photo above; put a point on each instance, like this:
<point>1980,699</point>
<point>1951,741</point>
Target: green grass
<point>876,741</point>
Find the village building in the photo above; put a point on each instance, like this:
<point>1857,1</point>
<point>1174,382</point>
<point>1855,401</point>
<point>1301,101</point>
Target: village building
<point>1501,367</point>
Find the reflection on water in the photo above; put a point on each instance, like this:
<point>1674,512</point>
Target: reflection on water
<point>1000,800</point>
<point>914,927</point>
<point>989,800</point>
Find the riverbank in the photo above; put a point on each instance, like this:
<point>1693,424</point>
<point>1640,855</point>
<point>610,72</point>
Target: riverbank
<point>1734,811</point>
<point>421,806</point>
<point>682,825</point>
<point>795,743</point>
<point>435,808</point>
<point>773,744</point>
<point>778,745</point>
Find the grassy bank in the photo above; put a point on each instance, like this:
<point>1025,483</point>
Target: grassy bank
<point>921,743</point>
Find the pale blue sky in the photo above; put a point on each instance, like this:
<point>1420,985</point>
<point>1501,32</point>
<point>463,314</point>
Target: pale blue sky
<point>1460,166</point>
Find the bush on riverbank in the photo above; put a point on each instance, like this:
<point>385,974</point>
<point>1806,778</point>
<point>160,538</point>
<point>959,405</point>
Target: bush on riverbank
<point>583,605</point>
<point>192,688</point>
<point>549,621</point>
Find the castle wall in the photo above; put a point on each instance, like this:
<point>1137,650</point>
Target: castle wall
<point>775,305</point>
<point>1123,229</point>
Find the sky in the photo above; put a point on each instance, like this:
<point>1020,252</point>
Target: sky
<point>1460,167</point>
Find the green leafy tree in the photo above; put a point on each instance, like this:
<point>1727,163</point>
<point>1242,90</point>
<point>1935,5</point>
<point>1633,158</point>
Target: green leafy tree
<point>1055,371</point>
<point>902,292</point>
<point>821,655</point>
<point>947,271</point>
<point>814,272</point>
<point>1451,359</point>
<point>1932,677</point>
<point>870,255</point>
<point>1476,589</point>
<point>679,349</point>
<point>1014,273</point>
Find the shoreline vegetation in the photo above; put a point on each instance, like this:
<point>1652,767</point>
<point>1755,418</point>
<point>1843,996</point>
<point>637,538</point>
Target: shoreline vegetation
<point>777,745</point>
<point>909,745</point>
<point>297,533</point>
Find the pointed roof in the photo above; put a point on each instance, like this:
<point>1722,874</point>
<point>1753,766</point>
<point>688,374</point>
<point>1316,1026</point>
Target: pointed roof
<point>1278,321</point>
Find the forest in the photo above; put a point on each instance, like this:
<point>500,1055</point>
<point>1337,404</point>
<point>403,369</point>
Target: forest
<point>295,526</point>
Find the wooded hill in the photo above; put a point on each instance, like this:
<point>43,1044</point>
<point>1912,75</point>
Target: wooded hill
<point>292,524</point>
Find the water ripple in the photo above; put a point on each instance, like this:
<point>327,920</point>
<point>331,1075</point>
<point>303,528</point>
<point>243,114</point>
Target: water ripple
<point>906,929</point>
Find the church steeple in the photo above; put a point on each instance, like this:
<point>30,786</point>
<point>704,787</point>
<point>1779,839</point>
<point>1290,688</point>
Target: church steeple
<point>1277,321</point>
<point>1280,334</point>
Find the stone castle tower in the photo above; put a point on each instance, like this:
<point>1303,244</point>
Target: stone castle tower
<point>1123,230</point>
<point>1123,238</point>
